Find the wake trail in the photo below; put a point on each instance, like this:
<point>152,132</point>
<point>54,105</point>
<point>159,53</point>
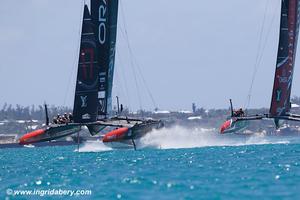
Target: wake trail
<point>180,137</point>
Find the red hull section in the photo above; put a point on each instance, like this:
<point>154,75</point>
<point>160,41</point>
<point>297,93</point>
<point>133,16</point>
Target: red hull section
<point>49,133</point>
<point>30,137</point>
<point>225,126</point>
<point>115,135</point>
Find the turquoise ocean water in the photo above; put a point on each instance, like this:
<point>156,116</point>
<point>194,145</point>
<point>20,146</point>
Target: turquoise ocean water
<point>172,164</point>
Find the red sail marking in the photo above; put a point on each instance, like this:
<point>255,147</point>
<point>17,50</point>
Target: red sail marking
<point>284,73</point>
<point>24,139</point>
<point>115,135</point>
<point>83,55</point>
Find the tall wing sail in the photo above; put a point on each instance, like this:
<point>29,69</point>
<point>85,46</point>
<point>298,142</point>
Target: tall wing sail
<point>86,94</point>
<point>289,28</point>
<point>105,17</point>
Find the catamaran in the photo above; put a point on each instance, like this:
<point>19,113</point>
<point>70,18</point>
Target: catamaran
<point>93,93</point>
<point>280,104</point>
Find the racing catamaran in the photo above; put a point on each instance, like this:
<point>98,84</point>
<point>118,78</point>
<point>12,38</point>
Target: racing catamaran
<point>93,94</point>
<point>280,103</point>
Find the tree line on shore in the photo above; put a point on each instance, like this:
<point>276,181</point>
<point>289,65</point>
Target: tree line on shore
<point>19,112</point>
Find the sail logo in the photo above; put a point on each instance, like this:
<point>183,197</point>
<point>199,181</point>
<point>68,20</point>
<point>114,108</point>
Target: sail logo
<point>86,116</point>
<point>102,20</point>
<point>283,79</point>
<point>83,101</point>
<point>101,105</point>
<point>102,80</point>
<point>278,95</point>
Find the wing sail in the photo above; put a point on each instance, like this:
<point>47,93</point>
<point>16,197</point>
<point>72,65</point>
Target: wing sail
<point>289,28</point>
<point>86,93</point>
<point>105,17</point>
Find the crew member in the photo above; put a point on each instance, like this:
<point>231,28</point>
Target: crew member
<point>121,108</point>
<point>239,113</point>
<point>54,121</point>
<point>71,117</point>
<point>58,119</point>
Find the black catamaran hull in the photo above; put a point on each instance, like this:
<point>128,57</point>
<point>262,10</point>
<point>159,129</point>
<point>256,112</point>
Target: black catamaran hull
<point>233,126</point>
<point>238,124</point>
<point>126,130</point>
<point>130,131</point>
<point>49,133</point>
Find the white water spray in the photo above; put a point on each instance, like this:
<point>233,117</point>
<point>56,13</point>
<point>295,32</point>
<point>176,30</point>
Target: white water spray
<point>94,146</point>
<point>180,137</point>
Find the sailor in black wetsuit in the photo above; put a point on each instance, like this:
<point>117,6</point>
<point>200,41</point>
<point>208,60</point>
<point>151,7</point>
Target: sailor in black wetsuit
<point>70,117</point>
<point>239,113</point>
<point>121,108</point>
<point>54,121</point>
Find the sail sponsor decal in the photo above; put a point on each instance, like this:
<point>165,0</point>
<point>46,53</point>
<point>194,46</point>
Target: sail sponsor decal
<point>88,79</point>
<point>278,95</point>
<point>83,101</point>
<point>102,22</point>
<point>86,116</point>
<point>89,65</point>
<point>102,105</point>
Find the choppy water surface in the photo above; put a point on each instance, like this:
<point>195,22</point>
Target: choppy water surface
<point>171,164</point>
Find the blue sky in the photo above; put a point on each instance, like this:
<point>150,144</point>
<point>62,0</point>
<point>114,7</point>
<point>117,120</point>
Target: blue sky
<point>192,51</point>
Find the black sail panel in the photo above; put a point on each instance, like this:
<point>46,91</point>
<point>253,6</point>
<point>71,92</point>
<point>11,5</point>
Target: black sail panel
<point>86,93</point>
<point>289,28</point>
<point>105,17</point>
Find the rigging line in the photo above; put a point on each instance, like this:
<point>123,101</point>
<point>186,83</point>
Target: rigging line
<point>135,64</point>
<point>120,85</point>
<point>136,82</point>
<point>137,86</point>
<point>118,55</point>
<point>268,33</point>
<point>123,79</point>
<point>145,84</point>
<point>76,57</point>
<point>138,66</point>
<point>120,91</point>
<point>256,66</point>
<point>130,53</point>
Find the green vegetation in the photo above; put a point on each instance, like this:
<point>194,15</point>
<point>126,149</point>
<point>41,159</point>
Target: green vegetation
<point>19,119</point>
